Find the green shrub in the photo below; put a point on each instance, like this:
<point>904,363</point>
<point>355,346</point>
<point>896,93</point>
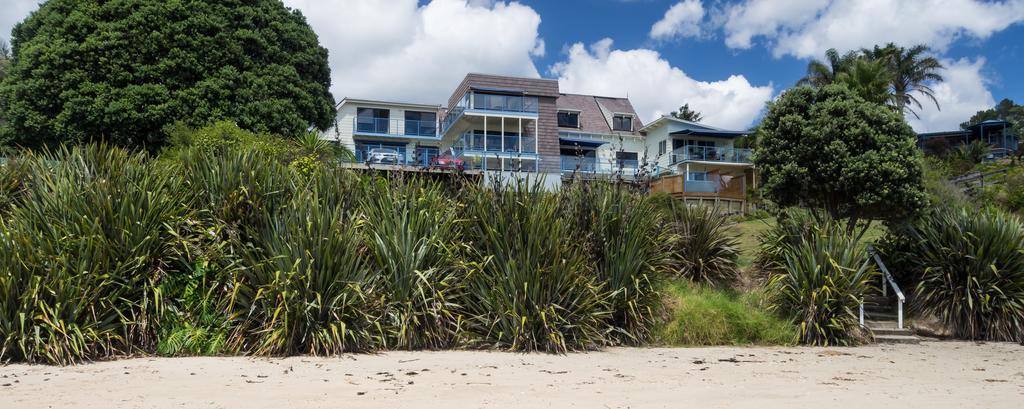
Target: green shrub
<point>81,257</point>
<point>821,283</point>
<point>304,289</point>
<point>623,235</point>
<point>414,237</point>
<point>968,267</point>
<point>532,288</point>
<point>704,249</point>
<point>700,315</point>
<point>789,229</point>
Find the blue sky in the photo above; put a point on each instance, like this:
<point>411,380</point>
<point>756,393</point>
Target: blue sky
<point>725,58</point>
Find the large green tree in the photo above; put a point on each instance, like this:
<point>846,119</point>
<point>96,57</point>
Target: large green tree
<point>828,149</point>
<point>123,70</point>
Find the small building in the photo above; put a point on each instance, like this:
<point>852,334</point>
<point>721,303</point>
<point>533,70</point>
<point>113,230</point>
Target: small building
<point>700,164</point>
<point>994,132</point>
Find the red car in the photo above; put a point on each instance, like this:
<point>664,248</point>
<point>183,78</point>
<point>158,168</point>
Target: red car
<point>447,160</point>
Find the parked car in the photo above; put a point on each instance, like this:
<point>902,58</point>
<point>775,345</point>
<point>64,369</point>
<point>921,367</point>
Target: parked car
<point>447,160</point>
<point>383,155</point>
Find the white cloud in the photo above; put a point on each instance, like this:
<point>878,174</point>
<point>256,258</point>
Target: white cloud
<point>962,94</point>
<point>13,12</point>
<point>681,20</point>
<point>396,50</point>
<point>808,28</point>
<point>656,87</point>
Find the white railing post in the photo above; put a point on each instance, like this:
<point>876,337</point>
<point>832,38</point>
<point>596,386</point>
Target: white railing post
<point>900,312</point>
<point>862,313</point>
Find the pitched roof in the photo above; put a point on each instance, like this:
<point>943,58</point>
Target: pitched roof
<point>596,112</point>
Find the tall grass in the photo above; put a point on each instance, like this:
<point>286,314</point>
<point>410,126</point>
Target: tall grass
<point>81,255</point>
<point>702,315</point>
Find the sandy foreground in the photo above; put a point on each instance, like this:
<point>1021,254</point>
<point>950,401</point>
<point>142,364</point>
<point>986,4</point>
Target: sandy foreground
<point>930,375</point>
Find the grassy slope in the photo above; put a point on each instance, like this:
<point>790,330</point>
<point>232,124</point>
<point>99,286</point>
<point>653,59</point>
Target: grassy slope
<point>708,316</point>
<point>749,231</point>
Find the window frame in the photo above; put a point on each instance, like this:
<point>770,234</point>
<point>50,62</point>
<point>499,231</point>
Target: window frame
<point>558,118</point>
<point>617,122</point>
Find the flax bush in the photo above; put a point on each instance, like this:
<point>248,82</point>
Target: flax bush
<point>967,269</point>
<point>81,256</point>
<point>531,288</point>
<point>704,249</point>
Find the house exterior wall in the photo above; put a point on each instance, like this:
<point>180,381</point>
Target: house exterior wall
<point>343,130</point>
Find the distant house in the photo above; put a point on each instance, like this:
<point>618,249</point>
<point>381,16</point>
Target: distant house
<point>994,132</point>
<point>497,126</point>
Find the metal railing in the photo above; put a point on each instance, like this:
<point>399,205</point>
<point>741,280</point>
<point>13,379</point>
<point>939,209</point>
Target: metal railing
<point>711,154</point>
<point>505,103</point>
<point>597,166</point>
<point>395,127</point>
<point>887,281</point>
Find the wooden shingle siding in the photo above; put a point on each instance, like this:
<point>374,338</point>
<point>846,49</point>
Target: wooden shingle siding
<point>547,138</point>
<point>532,86</point>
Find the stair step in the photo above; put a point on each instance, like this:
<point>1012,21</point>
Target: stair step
<point>879,308</point>
<point>897,339</point>
<point>881,316</point>
<point>891,331</point>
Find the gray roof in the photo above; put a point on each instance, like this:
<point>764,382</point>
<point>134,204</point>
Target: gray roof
<point>596,112</point>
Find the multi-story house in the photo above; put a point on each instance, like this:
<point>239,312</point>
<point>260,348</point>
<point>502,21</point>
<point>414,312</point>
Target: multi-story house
<point>996,133</point>
<point>499,126</point>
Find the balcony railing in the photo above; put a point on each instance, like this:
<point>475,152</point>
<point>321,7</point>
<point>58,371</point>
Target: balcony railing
<point>598,166</point>
<point>702,186</point>
<point>395,127</point>
<point>505,103</point>
<point>475,143</point>
<point>711,154</point>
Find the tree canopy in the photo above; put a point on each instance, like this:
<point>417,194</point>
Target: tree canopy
<point>889,75</point>
<point>826,148</point>
<point>123,71</point>
<point>687,114</point>
<point>1006,110</point>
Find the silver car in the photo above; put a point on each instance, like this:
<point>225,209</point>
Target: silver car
<point>383,155</point>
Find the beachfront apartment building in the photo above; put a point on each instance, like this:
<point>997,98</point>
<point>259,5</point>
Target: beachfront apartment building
<point>500,127</point>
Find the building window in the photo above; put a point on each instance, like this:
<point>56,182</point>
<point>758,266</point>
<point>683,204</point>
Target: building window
<point>626,159</point>
<point>420,123</point>
<point>568,119</point>
<point>698,176</point>
<point>372,120</point>
<point>622,123</point>
<point>662,147</point>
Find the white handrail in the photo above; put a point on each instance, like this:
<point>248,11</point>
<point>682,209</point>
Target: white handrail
<point>887,279</point>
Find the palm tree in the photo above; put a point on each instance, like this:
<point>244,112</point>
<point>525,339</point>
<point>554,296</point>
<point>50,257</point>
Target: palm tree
<point>912,72</point>
<point>687,114</point>
<point>868,78</point>
<point>820,74</point>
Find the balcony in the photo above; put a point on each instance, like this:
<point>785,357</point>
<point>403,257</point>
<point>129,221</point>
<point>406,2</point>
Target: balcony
<point>477,144</point>
<point>711,154</point>
<point>723,186</point>
<point>574,164</point>
<point>504,103</point>
<point>395,128</point>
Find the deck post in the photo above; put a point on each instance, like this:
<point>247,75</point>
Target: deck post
<point>502,161</point>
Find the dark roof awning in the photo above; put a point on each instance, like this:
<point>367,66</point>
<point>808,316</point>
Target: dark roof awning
<point>990,122</point>
<point>714,133</point>
<point>503,91</point>
<point>927,135</point>
<point>582,142</point>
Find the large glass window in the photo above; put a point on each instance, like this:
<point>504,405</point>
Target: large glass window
<point>622,123</point>
<point>510,103</point>
<point>420,123</point>
<point>568,119</point>
<point>627,159</point>
<point>372,120</point>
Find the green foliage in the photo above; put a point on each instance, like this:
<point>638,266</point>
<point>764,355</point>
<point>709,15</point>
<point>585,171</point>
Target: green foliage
<point>687,114</point>
<point>868,79</point>
<point>627,245</point>
<point>305,288</point>
<point>704,249</point>
<point>821,283</point>
<point>82,254</point>
<point>828,149</point>
<point>532,288</point>
<point>967,269</point>
<point>414,236</point>
<point>711,316</point>
<point>123,71</point>
<point>971,154</point>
